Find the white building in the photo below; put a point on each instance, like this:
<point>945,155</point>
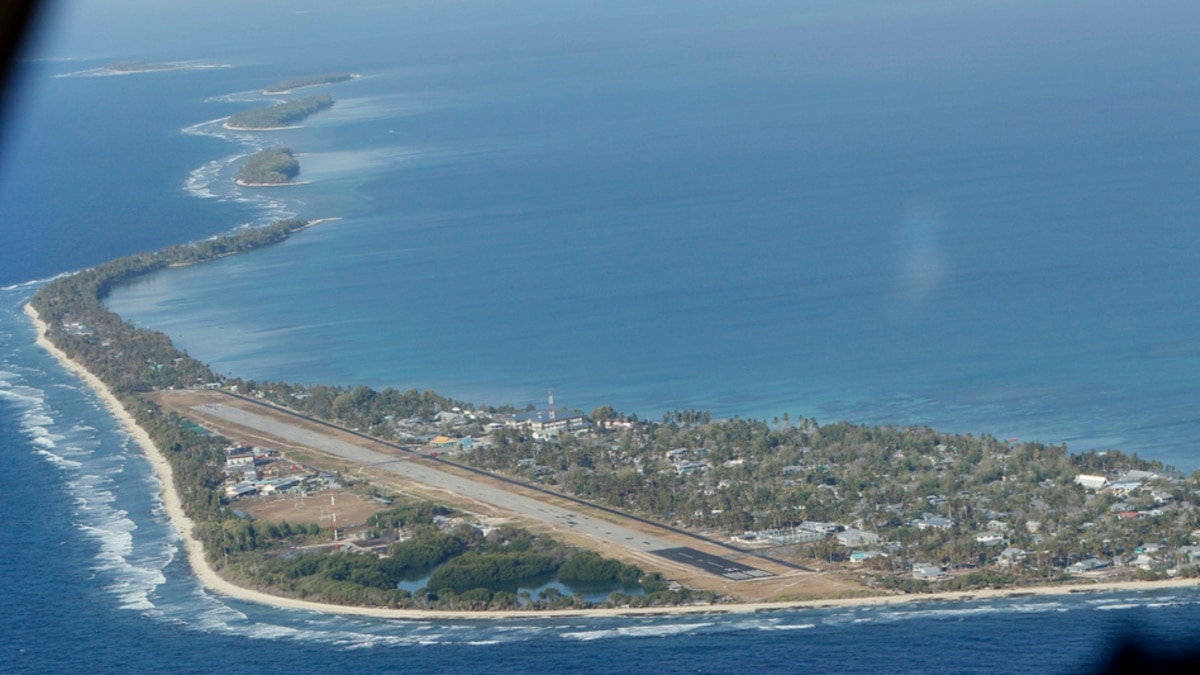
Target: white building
<point>990,538</point>
<point>928,572</point>
<point>1091,482</point>
<point>546,423</point>
<point>855,538</point>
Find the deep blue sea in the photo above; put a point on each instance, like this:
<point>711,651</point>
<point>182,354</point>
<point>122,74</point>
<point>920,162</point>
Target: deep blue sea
<point>980,216</point>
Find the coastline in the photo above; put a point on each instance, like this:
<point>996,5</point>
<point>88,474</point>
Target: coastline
<point>212,581</point>
<point>230,127</point>
<point>281,92</point>
<point>242,183</point>
<point>311,223</point>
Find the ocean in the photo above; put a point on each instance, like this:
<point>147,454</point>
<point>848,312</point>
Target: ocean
<point>979,218</point>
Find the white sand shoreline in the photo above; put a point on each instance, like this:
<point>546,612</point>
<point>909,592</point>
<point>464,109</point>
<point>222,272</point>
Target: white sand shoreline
<point>230,127</point>
<point>215,583</point>
<point>281,92</point>
<point>239,181</point>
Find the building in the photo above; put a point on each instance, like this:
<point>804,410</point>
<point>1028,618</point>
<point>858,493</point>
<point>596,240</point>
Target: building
<point>1190,553</point>
<point>1145,562</point>
<point>1010,556</point>
<point>269,487</point>
<point>990,538</point>
<point>927,572</point>
<point>1091,482</point>
<point>545,423</point>
<point>238,458</point>
<point>677,454</point>
<point>853,538</point>
<point>1124,488</point>
<point>859,557</point>
<point>1089,565</point>
<point>691,467</point>
<point>240,490</point>
<point>934,522</point>
<point>790,535</point>
<point>442,442</point>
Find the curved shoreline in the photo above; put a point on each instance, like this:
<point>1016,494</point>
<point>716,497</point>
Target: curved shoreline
<point>242,183</point>
<point>230,127</point>
<point>281,92</point>
<point>212,581</point>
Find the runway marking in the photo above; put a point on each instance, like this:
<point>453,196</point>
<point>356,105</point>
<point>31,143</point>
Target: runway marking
<point>712,564</point>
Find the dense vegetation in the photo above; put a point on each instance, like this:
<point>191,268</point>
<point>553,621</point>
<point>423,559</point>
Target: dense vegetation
<point>687,470</point>
<point>731,476</point>
<point>738,475</point>
<point>466,570</point>
<point>476,571</point>
<point>280,115</point>
<point>309,81</point>
<point>358,407</point>
<point>588,567</point>
<point>133,361</point>
<point>275,166</point>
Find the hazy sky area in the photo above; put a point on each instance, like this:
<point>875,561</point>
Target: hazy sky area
<point>125,28</point>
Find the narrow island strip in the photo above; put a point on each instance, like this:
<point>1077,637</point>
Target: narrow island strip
<point>137,373</point>
<point>127,67</point>
<point>209,577</point>
<point>288,86</point>
<point>279,116</point>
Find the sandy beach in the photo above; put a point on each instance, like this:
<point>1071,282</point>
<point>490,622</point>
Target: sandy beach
<point>215,583</point>
<point>281,92</point>
<point>230,127</point>
<point>243,183</point>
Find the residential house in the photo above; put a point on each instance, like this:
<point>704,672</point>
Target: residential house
<point>928,572</point>
<point>1010,556</point>
<point>934,522</point>
<point>990,538</point>
<point>1089,565</point>
<point>1092,482</point>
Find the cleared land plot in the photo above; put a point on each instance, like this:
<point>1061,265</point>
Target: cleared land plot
<point>313,507</point>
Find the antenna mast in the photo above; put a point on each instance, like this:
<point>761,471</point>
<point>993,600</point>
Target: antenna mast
<point>333,514</point>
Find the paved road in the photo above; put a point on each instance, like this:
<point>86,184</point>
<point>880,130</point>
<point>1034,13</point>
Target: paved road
<point>404,467</point>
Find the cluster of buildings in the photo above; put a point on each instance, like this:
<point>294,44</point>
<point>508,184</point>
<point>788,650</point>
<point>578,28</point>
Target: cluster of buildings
<point>1140,497</point>
<point>253,471</point>
<point>687,461</point>
<point>547,424</point>
<point>807,532</point>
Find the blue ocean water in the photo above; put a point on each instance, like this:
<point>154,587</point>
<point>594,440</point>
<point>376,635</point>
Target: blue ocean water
<point>980,218</point>
<point>789,212</point>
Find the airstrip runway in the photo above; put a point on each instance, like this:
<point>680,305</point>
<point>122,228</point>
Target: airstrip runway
<point>407,467</point>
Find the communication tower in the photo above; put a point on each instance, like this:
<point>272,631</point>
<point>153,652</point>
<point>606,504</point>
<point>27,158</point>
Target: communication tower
<point>333,514</point>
